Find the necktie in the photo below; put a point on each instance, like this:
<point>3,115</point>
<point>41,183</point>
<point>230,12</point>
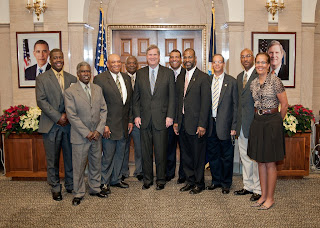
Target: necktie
<point>215,94</point>
<point>245,79</point>
<point>61,83</point>
<point>119,87</point>
<point>273,72</point>
<point>175,75</point>
<point>87,92</point>
<point>186,83</point>
<point>152,81</point>
<point>40,71</point>
<point>132,81</point>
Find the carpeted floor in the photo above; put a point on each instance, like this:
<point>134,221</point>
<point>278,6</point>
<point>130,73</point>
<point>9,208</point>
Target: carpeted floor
<point>29,204</point>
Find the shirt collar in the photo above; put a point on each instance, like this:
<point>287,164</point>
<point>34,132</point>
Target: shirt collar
<point>249,72</point>
<point>191,71</point>
<point>221,77</point>
<point>56,72</point>
<point>84,85</point>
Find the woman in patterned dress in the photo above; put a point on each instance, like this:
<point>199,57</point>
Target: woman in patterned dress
<point>266,138</point>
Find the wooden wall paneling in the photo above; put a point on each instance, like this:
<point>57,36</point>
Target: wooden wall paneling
<point>126,47</point>
<point>187,43</point>
<point>123,67</point>
<point>170,44</point>
<point>142,64</point>
<point>143,44</point>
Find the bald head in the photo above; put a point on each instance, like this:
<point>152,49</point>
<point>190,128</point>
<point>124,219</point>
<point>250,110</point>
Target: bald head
<point>114,63</point>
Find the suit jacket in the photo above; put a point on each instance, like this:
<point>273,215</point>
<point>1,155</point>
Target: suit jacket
<point>85,115</point>
<point>227,111</point>
<point>283,72</point>
<point>119,114</point>
<point>50,98</point>
<point>31,72</point>
<point>197,101</point>
<point>158,106</point>
<point>246,104</point>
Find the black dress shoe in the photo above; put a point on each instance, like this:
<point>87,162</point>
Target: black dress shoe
<point>181,180</point>
<point>140,177</point>
<point>100,194</point>
<point>213,186</point>
<point>121,185</point>
<point>146,186</point>
<point>255,197</point>
<point>187,187</point>
<point>76,201</point>
<point>160,186</point>
<point>225,190</point>
<point>57,196</point>
<point>169,178</point>
<point>196,190</point>
<point>69,190</point>
<point>242,192</point>
<point>105,188</point>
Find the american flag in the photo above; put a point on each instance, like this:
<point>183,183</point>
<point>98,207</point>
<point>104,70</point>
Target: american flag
<point>212,48</point>
<point>263,44</point>
<point>101,49</point>
<point>26,54</point>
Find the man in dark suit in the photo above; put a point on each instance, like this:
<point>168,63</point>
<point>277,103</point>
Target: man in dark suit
<point>41,53</point>
<point>87,113</point>
<point>154,110</point>
<point>276,53</point>
<point>222,130</point>
<point>193,104</point>
<point>54,123</point>
<point>117,92</point>
<point>250,172</point>
<point>131,67</point>
<point>175,65</point>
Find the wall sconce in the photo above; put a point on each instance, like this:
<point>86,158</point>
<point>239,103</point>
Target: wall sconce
<point>273,6</point>
<point>36,7</point>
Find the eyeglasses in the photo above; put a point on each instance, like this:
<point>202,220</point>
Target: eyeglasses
<point>215,62</point>
<point>262,62</point>
<point>246,56</point>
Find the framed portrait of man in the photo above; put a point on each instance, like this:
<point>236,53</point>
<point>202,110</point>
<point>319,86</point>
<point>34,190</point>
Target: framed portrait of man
<point>33,49</point>
<point>281,47</point>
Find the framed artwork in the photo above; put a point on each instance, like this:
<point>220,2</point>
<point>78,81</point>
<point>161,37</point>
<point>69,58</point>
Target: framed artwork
<point>281,46</point>
<point>33,49</point>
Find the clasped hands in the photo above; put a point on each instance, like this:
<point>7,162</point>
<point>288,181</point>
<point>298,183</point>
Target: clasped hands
<point>93,135</point>
<point>63,121</point>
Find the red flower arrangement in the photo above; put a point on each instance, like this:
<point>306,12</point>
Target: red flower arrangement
<point>303,115</point>
<point>9,121</point>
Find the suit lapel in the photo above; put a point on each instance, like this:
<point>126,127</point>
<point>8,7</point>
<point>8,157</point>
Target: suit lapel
<point>54,81</point>
<point>113,85</point>
<point>225,84</point>
<point>82,93</point>
<point>146,79</point>
<point>252,77</point>
<point>192,80</point>
<point>126,82</point>
<point>158,81</point>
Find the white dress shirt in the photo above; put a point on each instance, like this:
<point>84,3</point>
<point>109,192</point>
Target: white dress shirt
<point>123,85</point>
<point>220,81</point>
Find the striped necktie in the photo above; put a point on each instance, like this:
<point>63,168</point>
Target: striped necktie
<point>215,94</point>
<point>60,80</point>
<point>152,81</point>
<point>186,84</point>
<point>87,92</point>
<point>245,79</point>
<point>119,87</point>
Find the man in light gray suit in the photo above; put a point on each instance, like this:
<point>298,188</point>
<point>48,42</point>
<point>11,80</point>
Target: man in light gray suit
<point>250,172</point>
<point>222,127</point>
<point>87,113</point>
<point>54,123</point>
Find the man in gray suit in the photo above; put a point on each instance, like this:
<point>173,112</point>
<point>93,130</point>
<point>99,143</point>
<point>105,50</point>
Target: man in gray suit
<point>250,172</point>
<point>54,123</point>
<point>117,92</point>
<point>154,110</point>
<point>87,113</point>
<point>222,128</point>
<point>193,105</point>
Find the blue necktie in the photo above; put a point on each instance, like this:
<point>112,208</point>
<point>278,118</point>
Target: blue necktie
<point>40,71</point>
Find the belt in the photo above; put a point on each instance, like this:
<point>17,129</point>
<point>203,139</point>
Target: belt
<point>265,111</point>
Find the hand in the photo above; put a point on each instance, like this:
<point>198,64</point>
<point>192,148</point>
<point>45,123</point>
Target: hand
<point>106,132</point>
<point>63,121</point>
<point>90,136</point>
<point>176,129</point>
<point>200,132</point>
<point>130,127</point>
<point>233,132</point>
<point>169,122</point>
<point>96,135</point>
<point>137,122</point>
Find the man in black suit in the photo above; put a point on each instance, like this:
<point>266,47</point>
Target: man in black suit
<point>41,53</point>
<point>250,172</point>
<point>154,111</point>
<point>117,92</point>
<point>54,123</point>
<point>175,65</point>
<point>222,130</point>
<point>193,105</point>
<point>276,53</point>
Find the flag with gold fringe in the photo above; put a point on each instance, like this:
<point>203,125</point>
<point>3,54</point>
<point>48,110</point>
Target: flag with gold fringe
<point>101,49</point>
<point>212,48</point>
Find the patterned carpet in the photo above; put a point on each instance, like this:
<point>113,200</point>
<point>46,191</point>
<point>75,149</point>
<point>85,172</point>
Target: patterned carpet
<point>29,204</point>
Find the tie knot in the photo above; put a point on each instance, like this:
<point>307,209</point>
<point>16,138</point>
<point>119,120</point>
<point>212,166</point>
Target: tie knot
<point>216,77</point>
<point>40,71</point>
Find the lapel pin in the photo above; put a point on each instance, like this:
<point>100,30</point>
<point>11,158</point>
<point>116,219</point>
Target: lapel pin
<point>225,84</point>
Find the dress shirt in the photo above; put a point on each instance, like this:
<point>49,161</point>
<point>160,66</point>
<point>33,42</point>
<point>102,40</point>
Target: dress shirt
<point>133,78</point>
<point>249,72</point>
<point>276,71</point>
<point>62,77</point>
<point>190,73</point>
<point>123,85</point>
<point>43,68</point>
<point>220,80</point>
<point>176,72</point>
<point>84,87</point>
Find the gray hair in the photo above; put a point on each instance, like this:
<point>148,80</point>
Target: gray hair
<point>273,43</point>
<point>82,64</point>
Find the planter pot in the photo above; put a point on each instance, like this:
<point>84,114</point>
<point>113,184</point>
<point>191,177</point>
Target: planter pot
<point>296,162</point>
<point>25,157</point>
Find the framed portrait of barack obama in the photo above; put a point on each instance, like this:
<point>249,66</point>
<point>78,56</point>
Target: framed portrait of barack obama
<point>33,49</point>
<point>281,47</point>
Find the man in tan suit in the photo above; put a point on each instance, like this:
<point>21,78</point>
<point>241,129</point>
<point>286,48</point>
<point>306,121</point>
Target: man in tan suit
<point>87,112</point>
